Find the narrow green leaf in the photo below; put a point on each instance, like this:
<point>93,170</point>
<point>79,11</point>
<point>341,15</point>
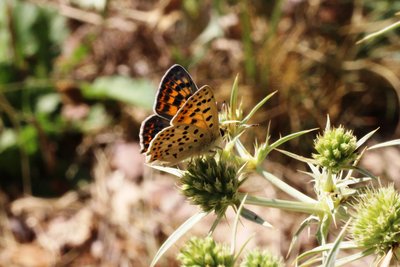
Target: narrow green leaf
<point>353,181</point>
<point>362,171</point>
<point>285,187</point>
<point>387,259</point>
<point>311,261</point>
<point>289,137</point>
<point>257,107</point>
<point>175,236</point>
<point>323,229</point>
<point>310,208</point>
<point>252,216</point>
<point>365,138</point>
<point>174,171</point>
<point>328,123</point>
<point>235,225</point>
<point>395,142</point>
<point>326,247</point>
<point>331,258</point>
<point>346,260</point>
<point>302,226</point>
<point>234,94</point>
<point>297,157</point>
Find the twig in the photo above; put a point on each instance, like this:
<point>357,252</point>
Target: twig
<point>375,34</point>
<point>25,169</point>
<point>96,19</point>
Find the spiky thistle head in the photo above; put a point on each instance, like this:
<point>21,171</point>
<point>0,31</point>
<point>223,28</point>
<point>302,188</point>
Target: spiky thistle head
<point>336,148</point>
<point>212,184</point>
<point>205,252</point>
<point>376,221</point>
<point>257,258</point>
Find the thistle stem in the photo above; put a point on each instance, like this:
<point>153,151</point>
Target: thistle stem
<point>311,208</point>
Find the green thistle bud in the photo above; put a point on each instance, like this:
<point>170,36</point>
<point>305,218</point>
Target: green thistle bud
<point>211,184</point>
<point>264,258</point>
<point>335,148</point>
<point>205,252</point>
<point>376,223</point>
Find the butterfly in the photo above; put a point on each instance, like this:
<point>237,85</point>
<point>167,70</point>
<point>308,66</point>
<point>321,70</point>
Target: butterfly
<point>185,122</point>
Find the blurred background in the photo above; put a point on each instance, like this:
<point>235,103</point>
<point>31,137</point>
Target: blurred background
<point>77,77</point>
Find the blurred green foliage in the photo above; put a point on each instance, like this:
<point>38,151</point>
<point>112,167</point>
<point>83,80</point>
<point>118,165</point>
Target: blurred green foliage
<point>120,88</point>
<point>37,142</point>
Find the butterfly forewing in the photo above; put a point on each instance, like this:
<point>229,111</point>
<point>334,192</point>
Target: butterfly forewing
<point>200,110</point>
<point>150,128</point>
<point>175,88</point>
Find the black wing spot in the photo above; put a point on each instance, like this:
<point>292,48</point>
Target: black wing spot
<point>211,125</point>
<point>175,155</point>
<point>201,135</point>
<point>197,110</point>
<point>209,118</point>
<point>186,127</point>
<point>195,140</point>
<point>194,121</point>
<point>170,145</point>
<point>176,101</point>
<point>206,110</point>
<point>185,132</point>
<point>196,131</point>
<point>180,149</point>
<point>165,108</point>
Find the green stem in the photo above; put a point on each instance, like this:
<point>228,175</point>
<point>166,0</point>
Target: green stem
<point>285,187</point>
<point>311,208</point>
<point>249,60</point>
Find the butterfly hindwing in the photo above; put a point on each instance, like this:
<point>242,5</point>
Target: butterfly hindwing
<point>150,128</point>
<point>175,88</point>
<point>176,143</point>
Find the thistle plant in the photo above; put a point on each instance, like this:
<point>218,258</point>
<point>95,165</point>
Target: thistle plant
<point>213,182</point>
<point>205,252</point>
<point>376,221</point>
<point>257,258</point>
<point>335,149</point>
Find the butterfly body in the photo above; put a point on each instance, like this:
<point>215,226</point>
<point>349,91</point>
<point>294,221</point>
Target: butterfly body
<point>185,122</point>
